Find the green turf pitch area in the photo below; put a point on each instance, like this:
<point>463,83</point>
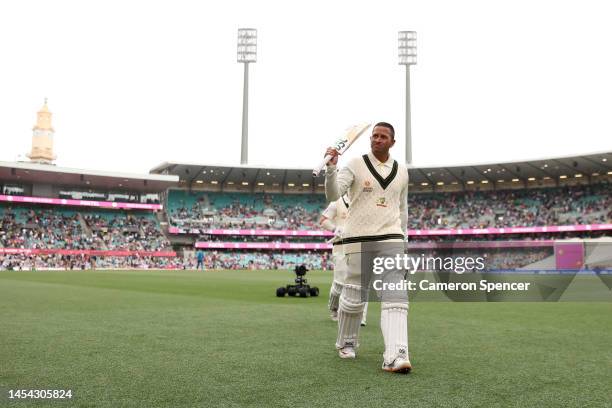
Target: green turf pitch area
<point>222,339</point>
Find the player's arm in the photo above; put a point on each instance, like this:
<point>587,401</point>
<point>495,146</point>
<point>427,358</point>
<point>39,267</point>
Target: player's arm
<point>336,183</point>
<point>328,216</point>
<point>327,224</point>
<point>404,209</point>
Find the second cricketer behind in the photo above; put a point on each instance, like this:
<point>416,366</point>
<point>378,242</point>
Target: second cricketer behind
<point>333,219</point>
<point>377,187</point>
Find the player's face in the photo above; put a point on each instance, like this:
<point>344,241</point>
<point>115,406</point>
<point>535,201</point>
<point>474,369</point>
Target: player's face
<point>381,140</point>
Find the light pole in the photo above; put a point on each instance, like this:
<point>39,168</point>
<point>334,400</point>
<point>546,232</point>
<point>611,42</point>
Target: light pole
<point>247,52</point>
<point>407,57</point>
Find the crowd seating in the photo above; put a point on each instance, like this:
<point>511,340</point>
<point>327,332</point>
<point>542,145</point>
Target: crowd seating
<point>31,226</point>
<point>126,231</point>
<point>33,262</point>
<point>265,259</point>
<point>497,209</point>
<point>212,260</point>
<point>24,227</point>
<point>239,210</point>
<point>512,208</point>
<point>494,258</point>
<point>61,228</point>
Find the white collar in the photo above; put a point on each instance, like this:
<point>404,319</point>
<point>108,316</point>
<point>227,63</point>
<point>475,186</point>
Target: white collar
<point>378,163</point>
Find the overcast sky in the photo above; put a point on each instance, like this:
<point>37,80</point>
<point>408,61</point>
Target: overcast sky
<point>132,84</point>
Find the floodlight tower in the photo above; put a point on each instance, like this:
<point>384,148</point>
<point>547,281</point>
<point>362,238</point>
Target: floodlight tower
<point>407,57</point>
<point>247,53</point>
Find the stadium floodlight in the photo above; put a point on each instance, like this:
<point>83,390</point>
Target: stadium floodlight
<point>407,57</point>
<point>247,45</point>
<point>407,47</point>
<point>247,53</point>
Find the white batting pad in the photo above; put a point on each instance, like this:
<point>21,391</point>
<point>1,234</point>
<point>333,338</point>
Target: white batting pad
<point>364,315</point>
<point>334,296</point>
<point>394,327</point>
<point>349,316</point>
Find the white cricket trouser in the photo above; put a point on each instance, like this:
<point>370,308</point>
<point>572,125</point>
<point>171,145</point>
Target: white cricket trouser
<point>394,309</point>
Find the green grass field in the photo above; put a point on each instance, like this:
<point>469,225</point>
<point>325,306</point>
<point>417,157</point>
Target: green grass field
<point>222,339</point>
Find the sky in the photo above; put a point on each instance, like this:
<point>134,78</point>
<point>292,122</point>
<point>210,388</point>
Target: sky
<point>133,84</point>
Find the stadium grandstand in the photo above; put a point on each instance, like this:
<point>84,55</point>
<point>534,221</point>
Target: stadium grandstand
<point>247,217</point>
<point>54,217</point>
<point>253,217</point>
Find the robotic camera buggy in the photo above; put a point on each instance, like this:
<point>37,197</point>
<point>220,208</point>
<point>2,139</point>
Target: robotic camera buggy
<point>300,288</point>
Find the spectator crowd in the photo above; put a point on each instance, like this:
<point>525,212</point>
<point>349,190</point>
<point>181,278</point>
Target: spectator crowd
<point>265,260</point>
<point>486,209</point>
<point>512,208</point>
<point>51,228</point>
<point>24,262</point>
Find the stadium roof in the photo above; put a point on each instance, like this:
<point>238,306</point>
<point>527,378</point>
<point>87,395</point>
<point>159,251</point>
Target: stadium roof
<point>223,174</point>
<point>35,173</point>
<point>554,168</point>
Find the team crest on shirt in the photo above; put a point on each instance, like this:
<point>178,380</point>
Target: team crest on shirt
<point>367,186</point>
<point>381,202</point>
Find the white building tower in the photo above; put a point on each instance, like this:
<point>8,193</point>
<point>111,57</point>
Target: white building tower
<point>42,138</point>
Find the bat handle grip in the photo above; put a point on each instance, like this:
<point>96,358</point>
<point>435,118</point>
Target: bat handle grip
<point>321,165</point>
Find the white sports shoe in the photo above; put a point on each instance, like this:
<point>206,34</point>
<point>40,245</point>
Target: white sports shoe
<point>399,365</point>
<point>334,315</point>
<point>347,352</point>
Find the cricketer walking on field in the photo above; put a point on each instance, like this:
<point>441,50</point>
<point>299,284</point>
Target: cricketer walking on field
<point>377,187</point>
<point>333,219</point>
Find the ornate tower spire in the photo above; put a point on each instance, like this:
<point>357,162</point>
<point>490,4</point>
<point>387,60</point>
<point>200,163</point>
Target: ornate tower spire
<point>42,137</point>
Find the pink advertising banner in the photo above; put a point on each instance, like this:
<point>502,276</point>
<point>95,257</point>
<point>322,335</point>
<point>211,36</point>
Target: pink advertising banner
<point>512,230</point>
<point>261,245</point>
<point>89,252</point>
<point>79,203</point>
<point>569,255</point>
<point>482,244</point>
<point>411,245</point>
<point>412,232</point>
<point>254,232</point>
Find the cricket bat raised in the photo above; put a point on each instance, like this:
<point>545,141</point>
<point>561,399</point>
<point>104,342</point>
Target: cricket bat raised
<point>342,144</point>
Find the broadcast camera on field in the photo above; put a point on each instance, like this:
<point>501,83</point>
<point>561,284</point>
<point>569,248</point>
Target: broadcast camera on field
<point>301,287</point>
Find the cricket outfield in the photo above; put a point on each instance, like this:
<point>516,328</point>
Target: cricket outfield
<point>222,338</point>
